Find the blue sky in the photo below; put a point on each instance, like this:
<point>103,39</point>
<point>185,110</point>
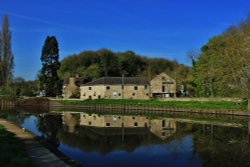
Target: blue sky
<point>153,28</point>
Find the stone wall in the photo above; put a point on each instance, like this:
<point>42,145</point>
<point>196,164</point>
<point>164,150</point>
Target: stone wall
<point>115,92</point>
<point>69,89</point>
<point>161,80</point>
<point>92,92</point>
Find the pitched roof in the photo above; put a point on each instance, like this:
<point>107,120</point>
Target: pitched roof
<point>118,81</point>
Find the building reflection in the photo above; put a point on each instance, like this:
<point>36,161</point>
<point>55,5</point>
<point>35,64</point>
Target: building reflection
<point>120,125</point>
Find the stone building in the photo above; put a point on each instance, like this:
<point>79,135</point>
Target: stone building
<point>71,87</point>
<point>163,86</point>
<point>116,88</point>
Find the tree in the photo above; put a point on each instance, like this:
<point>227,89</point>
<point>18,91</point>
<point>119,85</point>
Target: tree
<point>110,63</point>
<point>6,56</point>
<point>49,80</point>
<point>130,63</point>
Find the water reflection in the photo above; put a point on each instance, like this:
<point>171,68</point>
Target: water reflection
<point>128,140</point>
<point>121,125</point>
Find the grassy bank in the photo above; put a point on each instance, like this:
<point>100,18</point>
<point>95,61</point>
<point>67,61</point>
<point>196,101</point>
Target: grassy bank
<point>12,153</point>
<point>185,104</point>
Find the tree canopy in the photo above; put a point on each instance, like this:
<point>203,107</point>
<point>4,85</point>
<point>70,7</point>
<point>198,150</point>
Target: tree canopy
<point>223,66</point>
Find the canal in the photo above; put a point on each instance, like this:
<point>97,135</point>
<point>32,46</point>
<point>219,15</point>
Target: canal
<point>135,140</point>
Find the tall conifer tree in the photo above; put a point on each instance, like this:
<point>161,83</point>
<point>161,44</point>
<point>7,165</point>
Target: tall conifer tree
<point>49,80</point>
<point>6,56</point>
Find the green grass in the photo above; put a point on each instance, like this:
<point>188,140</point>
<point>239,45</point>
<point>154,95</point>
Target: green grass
<point>12,152</point>
<point>185,104</point>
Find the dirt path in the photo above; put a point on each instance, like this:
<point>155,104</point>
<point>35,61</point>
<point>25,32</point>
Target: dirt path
<point>39,154</point>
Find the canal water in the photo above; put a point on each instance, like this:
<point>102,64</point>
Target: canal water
<point>110,140</point>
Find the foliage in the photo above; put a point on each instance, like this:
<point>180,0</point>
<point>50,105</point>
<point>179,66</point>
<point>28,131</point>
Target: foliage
<point>12,153</point>
<point>95,64</point>
<point>7,90</point>
<point>25,88</point>
<point>49,80</point>
<point>222,68</point>
<point>187,104</point>
<point>6,56</point>
<point>20,87</point>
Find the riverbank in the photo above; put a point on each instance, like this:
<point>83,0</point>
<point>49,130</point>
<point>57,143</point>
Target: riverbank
<point>192,104</point>
<point>40,155</point>
<point>12,153</point>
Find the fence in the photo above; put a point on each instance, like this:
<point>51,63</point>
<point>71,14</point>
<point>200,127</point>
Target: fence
<point>7,104</point>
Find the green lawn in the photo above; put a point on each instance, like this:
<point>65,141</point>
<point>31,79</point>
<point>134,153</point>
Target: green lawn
<point>186,104</point>
<point>12,152</point>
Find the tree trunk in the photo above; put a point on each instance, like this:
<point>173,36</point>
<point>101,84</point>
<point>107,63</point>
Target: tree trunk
<point>248,105</point>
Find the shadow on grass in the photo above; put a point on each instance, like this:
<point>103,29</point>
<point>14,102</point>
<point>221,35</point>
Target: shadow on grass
<point>12,151</point>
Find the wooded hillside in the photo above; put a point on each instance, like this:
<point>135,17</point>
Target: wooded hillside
<point>95,64</point>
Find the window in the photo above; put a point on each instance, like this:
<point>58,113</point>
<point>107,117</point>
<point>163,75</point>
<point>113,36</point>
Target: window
<point>94,117</point>
<point>99,97</point>
<point>135,124</point>
<point>163,78</point>
<point>133,117</point>
<point>168,83</point>
<point>133,94</point>
<point>84,94</point>
<point>107,87</point>
<point>136,87</point>
<point>90,88</point>
<point>107,124</point>
<point>147,94</point>
<point>163,123</point>
<point>163,88</point>
<point>90,97</point>
<point>146,87</point>
<point>119,94</point>
<point>89,123</point>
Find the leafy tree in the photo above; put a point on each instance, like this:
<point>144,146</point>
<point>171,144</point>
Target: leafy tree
<point>110,63</point>
<point>49,80</point>
<point>21,87</point>
<point>130,63</point>
<point>222,68</point>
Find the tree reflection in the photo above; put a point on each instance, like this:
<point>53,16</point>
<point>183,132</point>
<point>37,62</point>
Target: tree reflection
<point>49,125</point>
<point>106,140</point>
<point>220,146</point>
